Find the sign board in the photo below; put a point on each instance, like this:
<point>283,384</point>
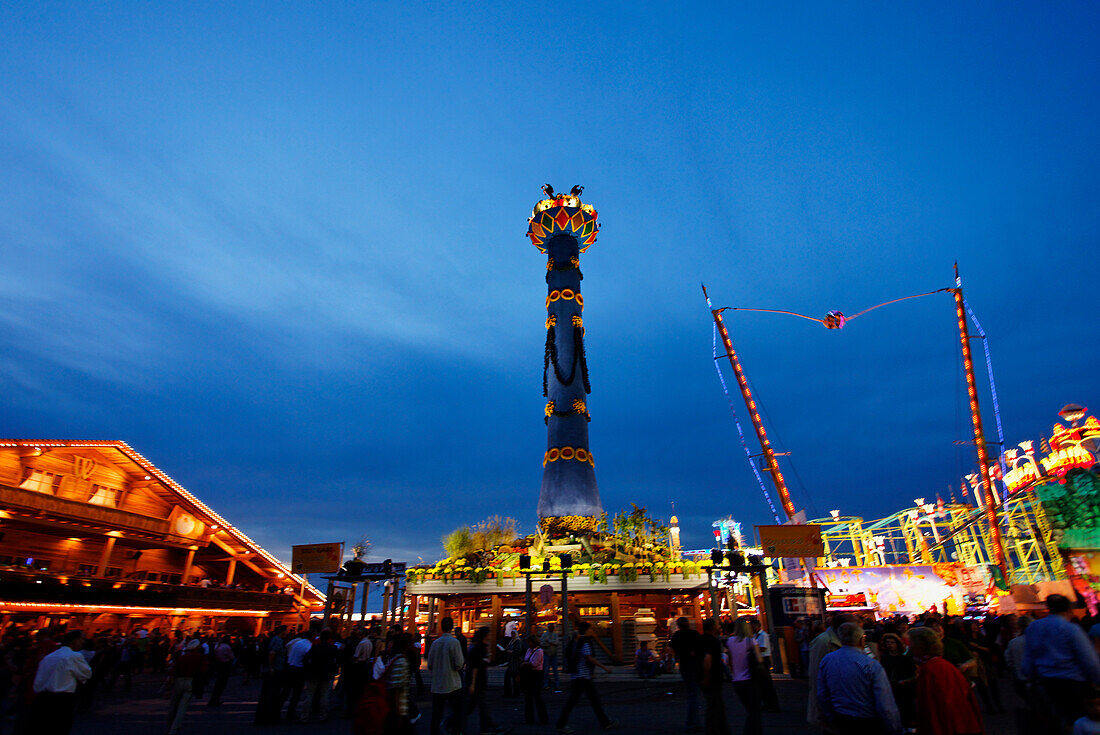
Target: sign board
<point>316,558</point>
<point>975,580</point>
<point>856,601</point>
<point>788,604</point>
<point>792,541</point>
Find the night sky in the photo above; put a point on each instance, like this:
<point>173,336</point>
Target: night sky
<point>279,248</point>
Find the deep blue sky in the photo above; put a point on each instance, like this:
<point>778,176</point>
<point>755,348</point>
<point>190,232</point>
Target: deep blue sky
<point>279,248</point>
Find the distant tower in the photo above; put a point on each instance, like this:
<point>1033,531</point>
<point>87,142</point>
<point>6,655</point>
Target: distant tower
<point>674,536</point>
<point>563,228</point>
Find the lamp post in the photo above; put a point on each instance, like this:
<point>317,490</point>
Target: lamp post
<point>527,571</point>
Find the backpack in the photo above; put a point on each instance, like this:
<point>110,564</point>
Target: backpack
<point>374,707</point>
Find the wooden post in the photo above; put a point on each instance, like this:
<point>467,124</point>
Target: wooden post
<point>430,633</point>
<point>231,572</point>
<point>349,606</point>
<point>616,628</point>
<point>304,612</point>
<point>564,608</point>
<point>386,591</point>
<point>440,604</point>
<point>105,557</point>
<point>528,609</point>
<point>396,598</point>
<point>414,610</point>
<point>713,598</point>
<point>187,566</point>
<point>494,613</point>
<point>328,602</point>
<point>363,603</point>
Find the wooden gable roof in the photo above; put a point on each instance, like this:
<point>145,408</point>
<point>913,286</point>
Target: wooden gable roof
<point>176,514</point>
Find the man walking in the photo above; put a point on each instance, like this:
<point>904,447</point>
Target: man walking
<point>445,661</point>
<point>55,686</point>
<point>685,644</point>
<point>713,672</point>
<point>321,665</point>
<point>273,689</point>
<point>223,667</point>
<point>1062,661</point>
<point>189,665</point>
<point>853,691</point>
<point>582,681</point>
<point>551,646</point>
<point>764,645</point>
<point>296,652</point>
<point>820,647</point>
<point>477,681</point>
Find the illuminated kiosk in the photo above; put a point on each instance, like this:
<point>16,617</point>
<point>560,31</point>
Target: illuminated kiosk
<point>615,579</point>
<point>95,537</point>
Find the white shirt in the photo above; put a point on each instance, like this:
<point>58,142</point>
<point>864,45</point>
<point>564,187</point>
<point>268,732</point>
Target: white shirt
<point>363,651</point>
<point>296,651</point>
<point>61,671</point>
<point>763,642</point>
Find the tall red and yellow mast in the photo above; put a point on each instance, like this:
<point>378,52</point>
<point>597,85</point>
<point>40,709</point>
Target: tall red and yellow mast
<point>979,434</point>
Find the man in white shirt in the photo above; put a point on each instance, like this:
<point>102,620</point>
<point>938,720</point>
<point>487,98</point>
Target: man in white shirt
<point>55,686</point>
<point>445,661</point>
<point>363,650</point>
<point>296,652</point>
<point>763,643</point>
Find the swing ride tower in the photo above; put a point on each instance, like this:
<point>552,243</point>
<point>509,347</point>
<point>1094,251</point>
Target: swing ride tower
<point>562,228</point>
<point>988,499</point>
<point>837,320</point>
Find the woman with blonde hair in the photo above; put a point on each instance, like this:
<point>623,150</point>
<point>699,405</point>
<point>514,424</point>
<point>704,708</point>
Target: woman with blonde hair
<point>945,703</point>
<point>744,657</point>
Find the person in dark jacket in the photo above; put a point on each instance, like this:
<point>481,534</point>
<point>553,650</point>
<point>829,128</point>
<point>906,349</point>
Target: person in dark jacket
<point>188,666</point>
<point>321,665</point>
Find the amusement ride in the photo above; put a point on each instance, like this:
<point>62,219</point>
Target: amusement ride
<point>1006,532</point>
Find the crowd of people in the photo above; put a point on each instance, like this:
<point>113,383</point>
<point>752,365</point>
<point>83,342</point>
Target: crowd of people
<point>927,675</point>
<point>372,676</point>
<point>885,676</point>
<point>48,676</point>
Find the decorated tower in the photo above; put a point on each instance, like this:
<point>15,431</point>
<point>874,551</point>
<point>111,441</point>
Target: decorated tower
<point>563,228</point>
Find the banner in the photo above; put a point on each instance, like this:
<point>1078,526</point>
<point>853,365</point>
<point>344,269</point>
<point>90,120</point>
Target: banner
<point>794,542</point>
<point>316,558</point>
<point>903,588</point>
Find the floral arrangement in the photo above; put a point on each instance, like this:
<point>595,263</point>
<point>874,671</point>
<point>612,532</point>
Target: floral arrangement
<point>629,547</point>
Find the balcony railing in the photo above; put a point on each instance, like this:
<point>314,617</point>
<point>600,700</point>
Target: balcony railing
<point>23,586</point>
<point>15,497</point>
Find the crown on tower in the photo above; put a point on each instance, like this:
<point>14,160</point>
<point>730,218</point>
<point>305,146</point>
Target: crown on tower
<point>562,214</point>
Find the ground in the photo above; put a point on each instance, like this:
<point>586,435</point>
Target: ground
<point>656,706</point>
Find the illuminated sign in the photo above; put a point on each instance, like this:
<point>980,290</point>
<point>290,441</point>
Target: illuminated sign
<point>792,541</point>
<point>837,602</point>
<point>316,558</point>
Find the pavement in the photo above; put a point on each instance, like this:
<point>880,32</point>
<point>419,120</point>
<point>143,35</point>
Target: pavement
<point>653,706</point>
